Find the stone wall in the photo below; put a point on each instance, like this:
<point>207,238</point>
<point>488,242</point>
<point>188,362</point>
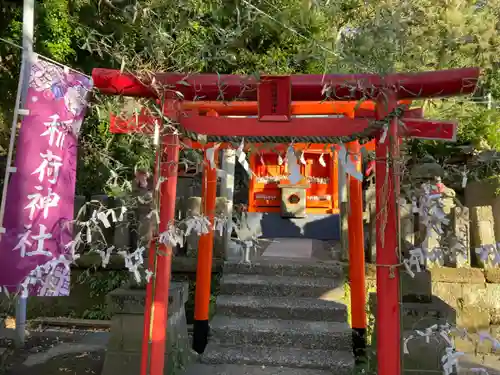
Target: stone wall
<point>485,193</point>
<point>90,283</point>
<point>472,226</point>
<point>466,297</point>
<point>463,297</point>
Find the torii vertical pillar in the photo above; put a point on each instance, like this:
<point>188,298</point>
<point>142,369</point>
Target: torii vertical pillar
<point>387,223</point>
<point>357,257</point>
<point>155,325</point>
<point>205,256</point>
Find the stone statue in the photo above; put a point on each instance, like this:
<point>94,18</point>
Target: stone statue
<point>439,246</point>
<point>140,223</point>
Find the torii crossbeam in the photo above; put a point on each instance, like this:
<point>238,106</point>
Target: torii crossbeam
<point>194,119</point>
<point>269,116</point>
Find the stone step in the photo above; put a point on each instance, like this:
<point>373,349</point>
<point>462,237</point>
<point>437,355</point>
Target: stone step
<point>309,309</point>
<point>225,369</point>
<point>279,286</point>
<point>339,362</point>
<point>228,330</point>
<point>277,267</point>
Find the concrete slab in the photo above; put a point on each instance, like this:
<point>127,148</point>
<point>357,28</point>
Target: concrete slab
<point>82,342</point>
<point>338,362</point>
<point>319,226</point>
<point>301,248</point>
<point>62,349</point>
<point>203,369</point>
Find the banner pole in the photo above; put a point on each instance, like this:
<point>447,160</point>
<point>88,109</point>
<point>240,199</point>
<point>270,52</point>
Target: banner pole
<point>28,30</point>
<point>28,27</point>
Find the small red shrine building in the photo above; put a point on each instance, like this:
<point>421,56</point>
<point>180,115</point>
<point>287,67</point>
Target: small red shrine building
<point>317,164</point>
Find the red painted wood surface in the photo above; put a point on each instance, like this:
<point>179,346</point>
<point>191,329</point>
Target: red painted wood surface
<point>249,108</point>
<point>217,125</point>
<point>356,243</point>
<point>387,223</point>
<point>299,127</point>
<point>317,189</point>
<point>365,108</point>
<point>441,83</point>
<point>430,129</point>
<point>205,243</point>
<point>144,121</point>
<point>274,96</point>
<point>162,272</point>
<point>266,194</point>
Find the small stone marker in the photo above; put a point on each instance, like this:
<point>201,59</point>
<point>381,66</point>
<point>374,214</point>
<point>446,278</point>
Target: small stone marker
<point>459,241</point>
<point>482,230</point>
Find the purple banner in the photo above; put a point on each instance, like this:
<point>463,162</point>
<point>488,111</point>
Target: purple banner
<point>35,248</point>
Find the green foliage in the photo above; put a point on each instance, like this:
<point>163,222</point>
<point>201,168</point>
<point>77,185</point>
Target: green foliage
<point>97,312</point>
<point>55,30</point>
<point>424,35</point>
<point>492,82</point>
<point>106,160</point>
<point>479,126</point>
<point>430,35</point>
<point>478,133</point>
<point>10,16</point>
<point>252,37</point>
<point>102,283</point>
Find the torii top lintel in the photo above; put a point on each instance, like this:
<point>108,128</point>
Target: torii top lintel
<point>304,87</point>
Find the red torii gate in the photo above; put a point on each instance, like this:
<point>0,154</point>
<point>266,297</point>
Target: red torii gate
<point>274,95</point>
